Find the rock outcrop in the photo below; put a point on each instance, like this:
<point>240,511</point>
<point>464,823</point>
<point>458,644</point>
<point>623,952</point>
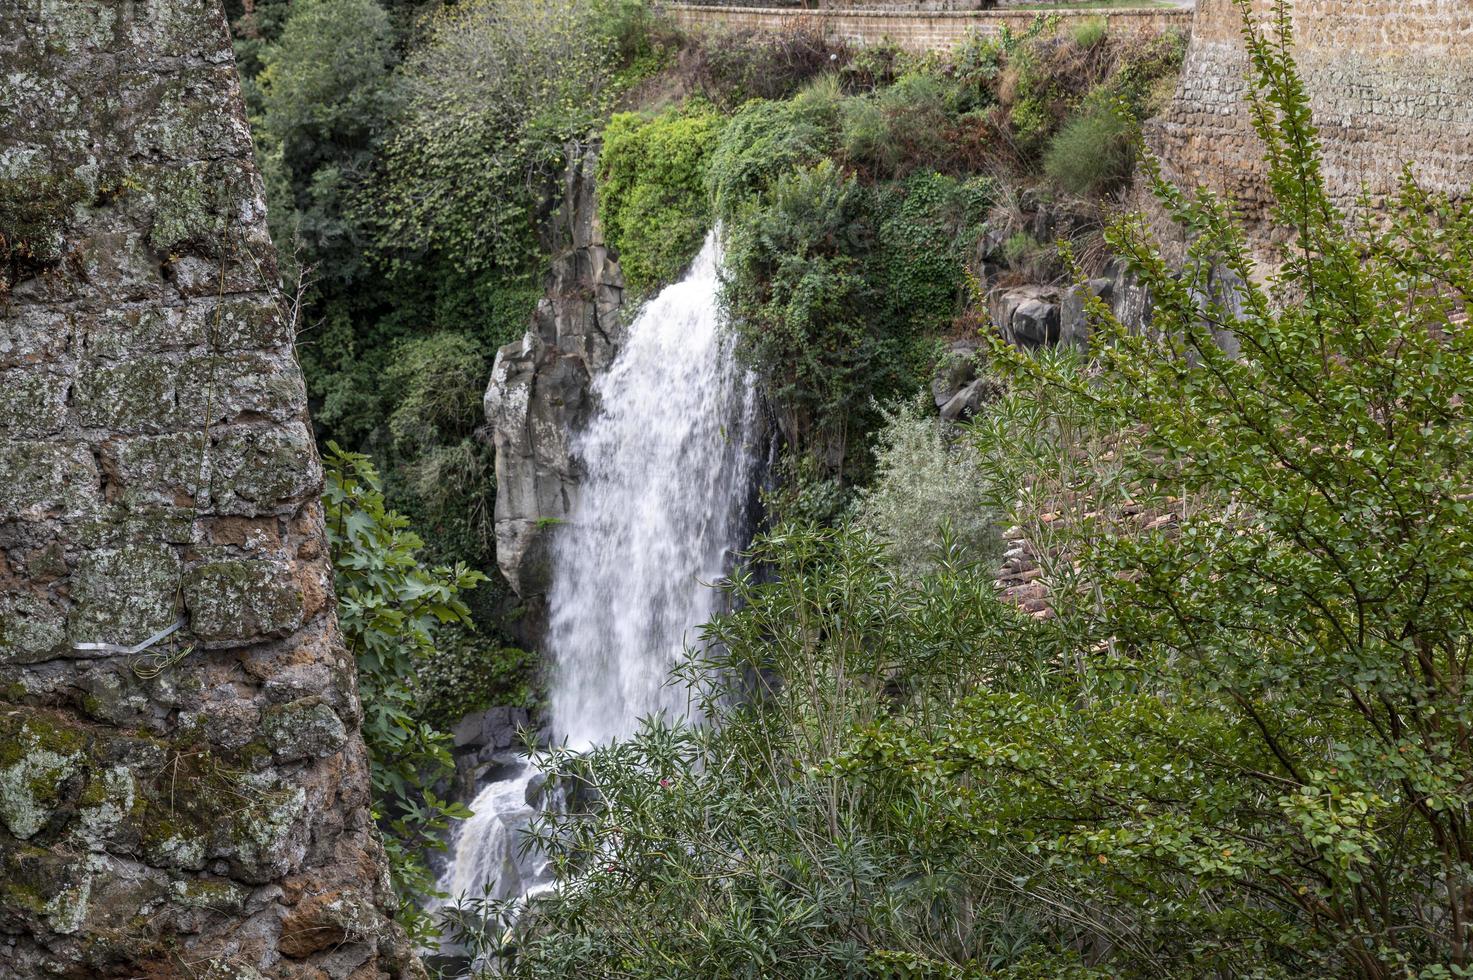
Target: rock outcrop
<point>197,807</point>
<point>541,389</point>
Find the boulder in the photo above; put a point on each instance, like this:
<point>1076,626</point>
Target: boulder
<point>1028,316</point>
<point>956,370</point>
<point>495,728</point>
<point>966,403</point>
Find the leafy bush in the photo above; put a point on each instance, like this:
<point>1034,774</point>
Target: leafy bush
<point>463,674</point>
<point>765,140</point>
<point>391,610</point>
<point>1253,767</point>
<point>732,67</point>
<point>899,127</point>
<point>435,383</point>
<point>492,99</point>
<point>1089,31</point>
<point>652,191</point>
<point>326,101</point>
<point>927,225</point>
<point>803,311</point>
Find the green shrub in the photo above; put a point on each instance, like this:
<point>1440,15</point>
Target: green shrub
<point>927,494</point>
<point>805,315</point>
<point>326,98</point>
<point>1094,152</point>
<point>652,191</point>
<point>391,610</point>
<point>463,674</point>
<point>435,384</point>
<point>899,127</point>
<point>729,68</point>
<point>927,224</point>
<point>1087,32</point>
<point>492,99</point>
<point>764,140</point>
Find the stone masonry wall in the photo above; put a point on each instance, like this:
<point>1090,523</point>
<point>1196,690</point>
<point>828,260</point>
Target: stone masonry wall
<point>199,809</point>
<point>913,30</point>
<point>1391,82</point>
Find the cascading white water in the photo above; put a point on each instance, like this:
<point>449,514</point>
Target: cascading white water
<point>669,467</point>
<point>662,504</point>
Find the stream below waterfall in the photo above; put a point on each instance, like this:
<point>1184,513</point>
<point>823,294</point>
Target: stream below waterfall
<point>670,463</point>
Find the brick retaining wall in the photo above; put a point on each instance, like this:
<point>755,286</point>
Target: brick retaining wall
<point>914,30</point>
<point>1390,82</point>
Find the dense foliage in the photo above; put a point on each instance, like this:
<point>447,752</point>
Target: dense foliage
<point>852,209</point>
<point>651,191</point>
<point>1234,743</point>
<point>391,609</point>
<point>411,152</point>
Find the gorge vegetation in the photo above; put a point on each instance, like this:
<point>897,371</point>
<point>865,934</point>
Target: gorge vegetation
<point>1228,738</point>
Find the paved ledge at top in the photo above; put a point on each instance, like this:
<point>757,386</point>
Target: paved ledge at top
<point>916,30</point>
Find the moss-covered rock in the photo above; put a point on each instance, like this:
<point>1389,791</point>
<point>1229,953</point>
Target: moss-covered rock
<point>242,600</point>
<point>35,207</point>
<point>37,758</point>
<point>303,729</point>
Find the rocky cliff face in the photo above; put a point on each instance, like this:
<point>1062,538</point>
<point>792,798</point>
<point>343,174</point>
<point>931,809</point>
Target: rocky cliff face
<point>199,807</point>
<point>540,389</point>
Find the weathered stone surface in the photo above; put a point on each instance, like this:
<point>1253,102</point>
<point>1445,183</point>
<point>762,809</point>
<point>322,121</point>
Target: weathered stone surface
<point>917,25</point>
<point>956,388</point>
<point>1027,316</point>
<point>486,743</point>
<point>242,600</point>
<point>189,810</point>
<point>540,389</point>
<point>1390,83</point>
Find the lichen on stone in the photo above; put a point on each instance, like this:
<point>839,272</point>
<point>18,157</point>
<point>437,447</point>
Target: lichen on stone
<point>34,762</point>
<point>240,600</point>
<point>303,729</point>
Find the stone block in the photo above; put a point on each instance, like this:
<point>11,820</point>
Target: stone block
<point>32,403</point>
<point>160,471</point>
<point>242,600</point>
<point>33,337</point>
<point>123,595</point>
<point>222,386</point>
<point>143,329</point>
<point>303,729</point>
<point>255,471</point>
<point>41,478</point>
<point>119,265</point>
<point>32,629</point>
<point>130,396</point>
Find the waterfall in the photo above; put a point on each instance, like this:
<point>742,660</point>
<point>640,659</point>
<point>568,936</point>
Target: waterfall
<point>662,504</point>
<point>669,467</point>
